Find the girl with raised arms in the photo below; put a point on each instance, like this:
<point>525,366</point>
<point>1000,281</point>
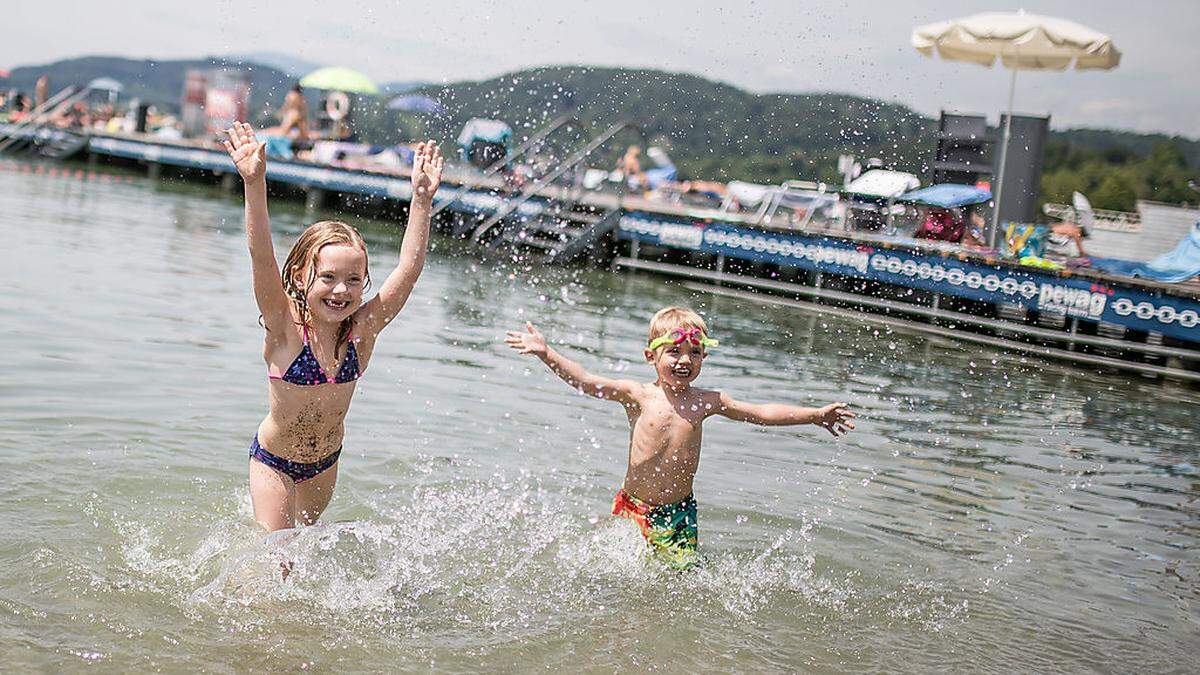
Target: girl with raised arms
<point>319,334</point>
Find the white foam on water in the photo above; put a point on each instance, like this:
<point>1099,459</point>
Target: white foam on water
<point>477,561</point>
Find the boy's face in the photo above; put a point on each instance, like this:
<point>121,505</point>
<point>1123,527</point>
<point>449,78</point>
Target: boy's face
<point>677,365</point>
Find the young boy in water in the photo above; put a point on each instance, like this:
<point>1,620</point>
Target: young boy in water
<point>665,419</point>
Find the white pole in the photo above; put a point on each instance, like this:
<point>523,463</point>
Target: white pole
<point>1012,87</point>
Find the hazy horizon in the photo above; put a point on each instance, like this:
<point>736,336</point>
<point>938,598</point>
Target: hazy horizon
<point>771,46</point>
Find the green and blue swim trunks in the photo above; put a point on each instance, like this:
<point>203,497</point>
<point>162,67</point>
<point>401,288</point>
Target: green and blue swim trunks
<point>669,529</point>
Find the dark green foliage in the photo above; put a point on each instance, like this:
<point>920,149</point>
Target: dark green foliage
<point>1138,144</point>
<point>1116,176</point>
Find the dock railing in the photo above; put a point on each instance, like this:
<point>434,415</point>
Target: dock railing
<point>794,194</point>
<point>1101,219</point>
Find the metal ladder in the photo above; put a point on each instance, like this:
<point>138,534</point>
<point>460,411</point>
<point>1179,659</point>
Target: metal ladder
<point>27,130</point>
<point>520,151</point>
<point>558,239</point>
<point>481,232</point>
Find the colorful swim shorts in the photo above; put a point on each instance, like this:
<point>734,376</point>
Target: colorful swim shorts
<point>669,529</point>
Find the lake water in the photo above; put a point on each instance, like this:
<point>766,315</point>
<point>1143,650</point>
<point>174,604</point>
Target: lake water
<point>992,512</point>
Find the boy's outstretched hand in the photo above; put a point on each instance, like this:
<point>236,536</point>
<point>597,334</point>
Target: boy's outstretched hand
<point>836,417</point>
<point>529,342</point>
<point>427,169</point>
<point>248,153</point>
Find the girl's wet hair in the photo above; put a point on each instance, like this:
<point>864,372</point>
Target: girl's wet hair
<point>668,319</point>
<point>303,257</point>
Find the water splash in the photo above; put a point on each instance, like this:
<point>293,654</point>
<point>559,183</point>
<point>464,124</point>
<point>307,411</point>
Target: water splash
<point>482,562</point>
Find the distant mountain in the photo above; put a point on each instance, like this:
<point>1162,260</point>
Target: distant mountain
<point>291,65</point>
<point>712,130</point>
<point>403,86</point>
<point>156,82</point>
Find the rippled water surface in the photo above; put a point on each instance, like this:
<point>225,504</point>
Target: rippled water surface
<point>992,512</point>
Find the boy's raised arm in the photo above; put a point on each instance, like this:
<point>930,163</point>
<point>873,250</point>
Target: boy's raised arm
<point>426,177</point>
<point>834,418</point>
<point>250,157</point>
<point>532,342</point>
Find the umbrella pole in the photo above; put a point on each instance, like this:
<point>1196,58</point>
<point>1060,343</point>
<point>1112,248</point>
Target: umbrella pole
<point>1012,87</point>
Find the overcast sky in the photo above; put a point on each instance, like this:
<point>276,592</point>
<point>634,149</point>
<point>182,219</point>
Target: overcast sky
<point>858,47</point>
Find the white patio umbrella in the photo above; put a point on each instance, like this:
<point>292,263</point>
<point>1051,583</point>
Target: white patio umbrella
<point>1022,42</point>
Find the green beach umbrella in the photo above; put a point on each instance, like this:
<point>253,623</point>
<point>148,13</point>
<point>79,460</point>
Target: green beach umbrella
<point>336,78</point>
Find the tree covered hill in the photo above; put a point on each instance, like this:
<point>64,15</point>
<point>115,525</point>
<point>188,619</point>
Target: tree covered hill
<point>711,129</point>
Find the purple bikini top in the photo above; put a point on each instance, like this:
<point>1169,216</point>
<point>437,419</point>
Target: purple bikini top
<point>306,370</point>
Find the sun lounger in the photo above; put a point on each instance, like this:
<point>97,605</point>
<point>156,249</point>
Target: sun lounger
<point>1181,264</point>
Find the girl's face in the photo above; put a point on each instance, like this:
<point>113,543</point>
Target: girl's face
<point>678,365</point>
<point>337,289</point>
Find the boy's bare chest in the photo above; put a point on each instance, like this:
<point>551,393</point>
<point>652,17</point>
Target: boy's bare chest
<point>671,420</point>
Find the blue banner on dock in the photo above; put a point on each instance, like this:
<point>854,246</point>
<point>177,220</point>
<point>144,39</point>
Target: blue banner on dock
<point>1079,298</point>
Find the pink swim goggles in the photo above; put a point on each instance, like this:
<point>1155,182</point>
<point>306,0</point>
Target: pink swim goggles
<point>681,335</point>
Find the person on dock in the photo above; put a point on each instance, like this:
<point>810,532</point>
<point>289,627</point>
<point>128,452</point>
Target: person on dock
<point>293,115</point>
<point>665,419</point>
<point>630,167</point>
<point>319,334</point>
<point>22,106</point>
<point>1065,240</point>
<point>40,90</point>
<point>941,224</point>
<point>975,234</point>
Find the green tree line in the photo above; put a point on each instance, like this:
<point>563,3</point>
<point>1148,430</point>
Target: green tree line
<point>1116,177</point>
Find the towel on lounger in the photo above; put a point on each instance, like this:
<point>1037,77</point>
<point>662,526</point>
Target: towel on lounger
<point>1181,264</point>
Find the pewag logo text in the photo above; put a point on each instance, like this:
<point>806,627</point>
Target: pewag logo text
<point>816,254</point>
<point>667,233</point>
<point>1077,302</point>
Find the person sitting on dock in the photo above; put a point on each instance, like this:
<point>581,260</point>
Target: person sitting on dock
<point>702,190</point>
<point>974,235</point>
<point>40,89</point>
<point>630,167</point>
<point>293,115</point>
<point>72,117</point>
<point>22,106</point>
<point>1066,240</point>
<point>941,225</point>
<point>665,417</point>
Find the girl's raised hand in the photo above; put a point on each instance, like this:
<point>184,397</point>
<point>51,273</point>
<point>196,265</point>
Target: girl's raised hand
<point>529,342</point>
<point>248,153</point>
<point>427,170</point>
